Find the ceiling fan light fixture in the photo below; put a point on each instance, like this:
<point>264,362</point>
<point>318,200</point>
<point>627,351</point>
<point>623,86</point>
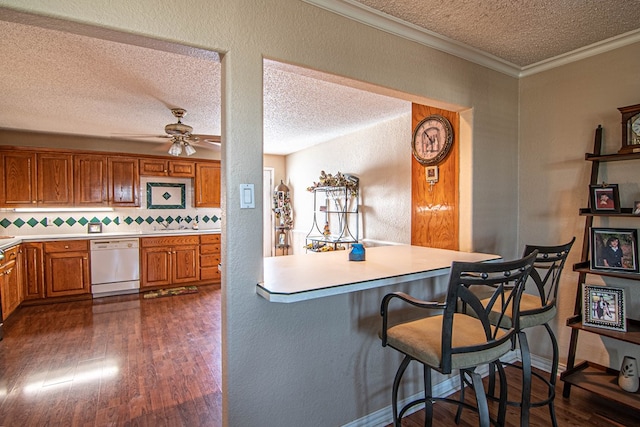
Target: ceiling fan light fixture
<point>188,149</point>
<point>176,148</point>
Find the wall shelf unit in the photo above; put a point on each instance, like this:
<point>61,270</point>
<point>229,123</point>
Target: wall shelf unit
<point>335,219</point>
<point>597,379</point>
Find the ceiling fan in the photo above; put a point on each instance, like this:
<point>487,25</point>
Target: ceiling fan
<point>181,135</point>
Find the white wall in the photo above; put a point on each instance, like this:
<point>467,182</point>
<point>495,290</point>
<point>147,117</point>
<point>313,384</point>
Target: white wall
<point>318,362</point>
<point>381,157</point>
<point>559,112</point>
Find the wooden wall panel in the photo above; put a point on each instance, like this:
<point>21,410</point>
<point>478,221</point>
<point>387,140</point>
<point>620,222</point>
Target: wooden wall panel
<point>434,217</point>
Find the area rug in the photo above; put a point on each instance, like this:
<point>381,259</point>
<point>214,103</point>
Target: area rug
<point>171,292</point>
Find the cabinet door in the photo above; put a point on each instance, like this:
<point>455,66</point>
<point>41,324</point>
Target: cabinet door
<point>153,167</point>
<point>156,266</point>
<point>207,185</point>
<point>90,180</point>
<point>182,169</point>
<point>67,273</point>
<point>33,271</point>
<point>11,292</point>
<point>55,179</point>
<point>124,181</point>
<point>186,264</point>
<point>18,179</point>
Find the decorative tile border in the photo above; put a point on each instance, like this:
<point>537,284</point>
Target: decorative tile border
<point>71,221</point>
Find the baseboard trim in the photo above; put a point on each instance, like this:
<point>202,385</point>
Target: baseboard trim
<point>384,417</point>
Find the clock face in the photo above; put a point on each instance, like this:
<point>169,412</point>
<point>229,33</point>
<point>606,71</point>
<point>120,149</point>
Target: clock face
<point>635,125</point>
<point>432,140</point>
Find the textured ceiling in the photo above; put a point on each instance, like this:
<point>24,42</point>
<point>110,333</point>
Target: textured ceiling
<point>88,81</point>
<point>522,32</point>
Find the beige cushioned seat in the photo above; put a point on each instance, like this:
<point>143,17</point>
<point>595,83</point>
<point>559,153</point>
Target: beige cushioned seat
<point>422,340</point>
<point>529,304</point>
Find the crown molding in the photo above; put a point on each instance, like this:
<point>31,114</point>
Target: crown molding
<point>582,53</point>
<point>374,18</point>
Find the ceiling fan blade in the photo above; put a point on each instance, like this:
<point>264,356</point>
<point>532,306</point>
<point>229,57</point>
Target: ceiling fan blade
<point>209,139</point>
<point>127,135</point>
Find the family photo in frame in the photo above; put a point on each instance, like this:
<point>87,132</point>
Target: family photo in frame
<point>614,249</point>
<point>604,198</point>
<point>604,307</point>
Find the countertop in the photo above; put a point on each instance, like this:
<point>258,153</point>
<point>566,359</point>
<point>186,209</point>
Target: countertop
<point>8,241</point>
<point>314,275</point>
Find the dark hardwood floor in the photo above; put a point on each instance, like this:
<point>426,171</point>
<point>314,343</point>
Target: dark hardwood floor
<point>581,409</point>
<point>115,361</point>
<point>129,361</point>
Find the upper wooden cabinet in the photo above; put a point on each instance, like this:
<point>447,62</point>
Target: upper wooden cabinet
<point>160,167</point>
<point>124,181</point>
<point>207,185</point>
<point>36,179</point>
<point>47,177</point>
<point>90,185</point>
<point>106,180</point>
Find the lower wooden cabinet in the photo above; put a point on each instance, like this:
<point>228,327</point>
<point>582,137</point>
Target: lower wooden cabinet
<point>10,286</point>
<point>169,260</point>
<point>33,270</point>
<point>67,268</point>
<point>210,257</point>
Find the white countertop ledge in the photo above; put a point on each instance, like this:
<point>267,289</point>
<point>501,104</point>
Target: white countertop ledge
<point>8,241</point>
<point>313,275</point>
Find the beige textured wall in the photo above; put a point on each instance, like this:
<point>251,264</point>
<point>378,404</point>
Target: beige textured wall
<point>381,157</point>
<point>559,112</point>
<point>317,362</point>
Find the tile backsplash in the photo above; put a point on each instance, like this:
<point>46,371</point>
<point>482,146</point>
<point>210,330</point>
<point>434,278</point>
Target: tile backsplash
<point>120,220</point>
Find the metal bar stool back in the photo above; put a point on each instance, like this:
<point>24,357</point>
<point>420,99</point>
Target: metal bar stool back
<point>454,340</point>
<point>537,308</point>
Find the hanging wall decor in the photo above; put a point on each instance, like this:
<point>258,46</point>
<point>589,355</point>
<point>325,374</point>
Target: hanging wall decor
<point>283,218</point>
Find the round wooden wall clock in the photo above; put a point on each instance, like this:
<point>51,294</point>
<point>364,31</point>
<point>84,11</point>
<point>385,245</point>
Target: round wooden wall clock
<point>432,140</point>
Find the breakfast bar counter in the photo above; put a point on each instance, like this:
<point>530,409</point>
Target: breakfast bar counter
<point>315,275</point>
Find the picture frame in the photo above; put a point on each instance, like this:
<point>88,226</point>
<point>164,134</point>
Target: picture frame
<point>614,249</point>
<point>94,227</point>
<point>604,307</point>
<point>164,195</point>
<point>636,208</point>
<point>431,173</point>
<point>604,198</point>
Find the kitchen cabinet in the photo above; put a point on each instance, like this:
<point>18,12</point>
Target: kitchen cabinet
<point>33,270</point>
<point>36,179</point>
<point>123,181</point>
<point>207,184</point>
<point>66,268</point>
<point>90,183</point>
<point>210,257</point>
<point>161,167</point>
<point>106,181</point>
<point>169,260</point>
<point>10,286</point>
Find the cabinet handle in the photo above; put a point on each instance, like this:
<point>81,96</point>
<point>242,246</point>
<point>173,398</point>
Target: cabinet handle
<point>66,246</point>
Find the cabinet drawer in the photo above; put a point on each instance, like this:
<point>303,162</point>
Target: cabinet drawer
<point>210,273</point>
<point>147,242</point>
<point>66,246</point>
<point>209,249</point>
<point>210,238</point>
<point>10,254</point>
<point>209,261</point>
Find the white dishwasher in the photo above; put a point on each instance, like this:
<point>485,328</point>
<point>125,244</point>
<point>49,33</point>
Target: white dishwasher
<point>115,267</point>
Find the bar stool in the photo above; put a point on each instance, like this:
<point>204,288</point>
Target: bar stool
<point>459,341</point>
<point>536,309</point>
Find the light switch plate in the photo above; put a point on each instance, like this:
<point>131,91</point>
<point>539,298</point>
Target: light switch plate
<point>247,196</point>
